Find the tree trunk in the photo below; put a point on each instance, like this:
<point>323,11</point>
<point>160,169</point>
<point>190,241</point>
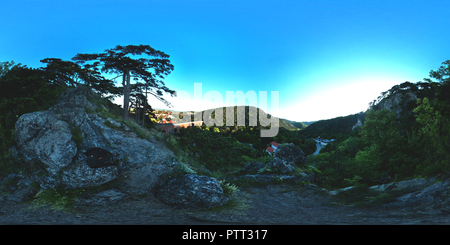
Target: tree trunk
<point>126,93</point>
<point>145,107</point>
<point>138,111</point>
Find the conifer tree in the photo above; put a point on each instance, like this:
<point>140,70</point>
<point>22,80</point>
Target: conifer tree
<point>151,70</point>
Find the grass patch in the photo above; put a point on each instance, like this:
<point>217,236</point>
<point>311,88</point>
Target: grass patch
<point>77,135</point>
<point>233,206</point>
<point>57,200</point>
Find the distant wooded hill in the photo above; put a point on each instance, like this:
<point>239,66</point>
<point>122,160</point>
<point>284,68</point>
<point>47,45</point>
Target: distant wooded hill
<point>283,123</point>
<point>333,128</point>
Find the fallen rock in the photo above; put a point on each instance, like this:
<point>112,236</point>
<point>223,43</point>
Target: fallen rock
<point>192,192</point>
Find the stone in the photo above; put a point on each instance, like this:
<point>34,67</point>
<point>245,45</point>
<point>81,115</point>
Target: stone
<point>47,137</point>
<point>80,175</point>
<point>114,123</point>
<point>291,154</point>
<point>22,195</point>
<point>146,178</point>
<point>192,192</point>
<point>41,136</point>
<point>104,198</point>
<point>253,168</point>
<point>412,185</point>
<point>284,166</point>
<point>430,195</point>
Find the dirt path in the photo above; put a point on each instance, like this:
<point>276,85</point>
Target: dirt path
<point>273,204</point>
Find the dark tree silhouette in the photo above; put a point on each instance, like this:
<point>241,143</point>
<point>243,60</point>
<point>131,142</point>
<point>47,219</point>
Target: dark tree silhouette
<point>118,61</point>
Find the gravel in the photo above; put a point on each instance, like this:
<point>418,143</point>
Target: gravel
<point>272,204</point>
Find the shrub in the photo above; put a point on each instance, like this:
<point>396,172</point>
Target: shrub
<point>58,200</point>
<point>77,135</point>
<point>172,143</point>
<point>228,188</point>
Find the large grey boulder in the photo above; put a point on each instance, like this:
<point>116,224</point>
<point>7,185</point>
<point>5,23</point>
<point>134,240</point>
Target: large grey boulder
<point>49,137</point>
<point>284,166</point>
<point>290,154</point>
<point>41,136</point>
<point>192,192</point>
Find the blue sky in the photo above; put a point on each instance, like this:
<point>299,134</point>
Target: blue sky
<point>325,58</point>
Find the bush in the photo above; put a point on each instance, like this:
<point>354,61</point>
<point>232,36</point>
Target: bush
<point>228,188</point>
<point>77,135</point>
<point>58,200</point>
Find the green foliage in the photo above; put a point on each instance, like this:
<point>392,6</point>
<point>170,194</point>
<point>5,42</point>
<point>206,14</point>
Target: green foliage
<point>77,135</point>
<point>23,90</point>
<point>265,158</point>
<point>277,180</point>
<point>228,188</point>
<point>215,151</point>
<point>6,66</point>
<point>412,141</point>
<point>180,170</point>
<point>269,169</point>
<point>172,143</point>
<point>434,119</point>
<point>57,199</point>
<point>382,131</point>
<point>355,180</point>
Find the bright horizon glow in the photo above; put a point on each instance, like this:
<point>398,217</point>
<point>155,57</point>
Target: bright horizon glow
<point>326,58</point>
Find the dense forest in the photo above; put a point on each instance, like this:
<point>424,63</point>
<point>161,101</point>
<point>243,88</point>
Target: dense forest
<point>234,146</point>
<point>406,134</point>
<point>335,128</point>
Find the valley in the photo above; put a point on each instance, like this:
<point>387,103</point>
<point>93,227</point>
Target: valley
<point>358,175</point>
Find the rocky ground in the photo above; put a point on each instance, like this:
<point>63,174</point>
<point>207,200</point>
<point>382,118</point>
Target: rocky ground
<point>271,204</point>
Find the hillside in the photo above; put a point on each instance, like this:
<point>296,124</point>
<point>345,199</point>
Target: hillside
<point>404,134</point>
<point>283,123</point>
<point>334,128</point>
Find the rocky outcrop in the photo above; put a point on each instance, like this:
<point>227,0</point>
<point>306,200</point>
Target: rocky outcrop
<point>192,192</point>
<point>252,168</point>
<point>397,101</point>
<point>357,124</point>
<point>60,137</point>
<point>104,198</point>
<point>406,185</point>
<point>288,157</point>
<point>41,136</point>
<point>433,194</point>
<point>284,166</point>
<point>290,154</point>
<point>429,194</point>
